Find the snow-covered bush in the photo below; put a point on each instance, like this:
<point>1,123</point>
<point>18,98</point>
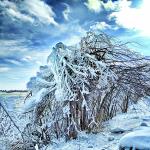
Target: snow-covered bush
<point>82,86</point>
<point>10,134</point>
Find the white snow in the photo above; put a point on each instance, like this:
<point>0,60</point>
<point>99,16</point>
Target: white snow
<point>66,109</point>
<point>130,122</point>
<point>135,135</point>
<point>34,100</point>
<point>139,139</point>
<point>84,103</point>
<point>36,147</point>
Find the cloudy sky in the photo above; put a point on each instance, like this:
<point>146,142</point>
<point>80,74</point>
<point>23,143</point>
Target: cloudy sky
<point>29,29</point>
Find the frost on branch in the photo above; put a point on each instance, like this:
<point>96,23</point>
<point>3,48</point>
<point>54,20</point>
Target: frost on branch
<point>85,85</point>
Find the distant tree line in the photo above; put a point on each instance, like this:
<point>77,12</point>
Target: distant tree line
<point>11,91</point>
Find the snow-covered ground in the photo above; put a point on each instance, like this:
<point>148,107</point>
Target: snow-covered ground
<point>139,139</point>
<point>137,118</point>
<point>12,101</point>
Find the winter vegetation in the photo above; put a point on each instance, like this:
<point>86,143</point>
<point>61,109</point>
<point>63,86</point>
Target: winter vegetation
<point>79,89</point>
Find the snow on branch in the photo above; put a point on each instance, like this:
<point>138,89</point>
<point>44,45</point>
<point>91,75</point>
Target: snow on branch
<point>93,80</point>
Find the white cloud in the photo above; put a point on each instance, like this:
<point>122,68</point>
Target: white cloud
<point>10,47</point>
<point>4,69</point>
<point>100,26</point>
<point>109,5</point>
<point>32,11</point>
<point>38,57</point>
<point>7,43</point>
<point>35,57</point>
<point>41,10</point>
<point>136,19</point>
<point>13,11</point>
<point>15,62</point>
<point>16,14</point>
<point>67,29</point>
<point>98,5</point>
<point>72,40</point>
<point>94,5</point>
<point>38,62</point>
<point>66,12</point>
<point>27,59</point>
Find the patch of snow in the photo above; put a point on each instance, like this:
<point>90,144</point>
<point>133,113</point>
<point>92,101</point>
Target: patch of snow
<point>36,147</point>
<point>84,103</point>
<point>66,109</point>
<point>139,139</point>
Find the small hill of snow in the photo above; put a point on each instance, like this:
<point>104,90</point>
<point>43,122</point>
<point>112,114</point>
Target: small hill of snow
<point>139,139</point>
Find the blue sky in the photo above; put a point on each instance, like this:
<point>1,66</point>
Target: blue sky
<point>30,28</point>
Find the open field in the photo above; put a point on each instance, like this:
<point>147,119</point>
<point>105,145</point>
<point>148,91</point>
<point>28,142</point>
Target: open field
<point>12,100</point>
